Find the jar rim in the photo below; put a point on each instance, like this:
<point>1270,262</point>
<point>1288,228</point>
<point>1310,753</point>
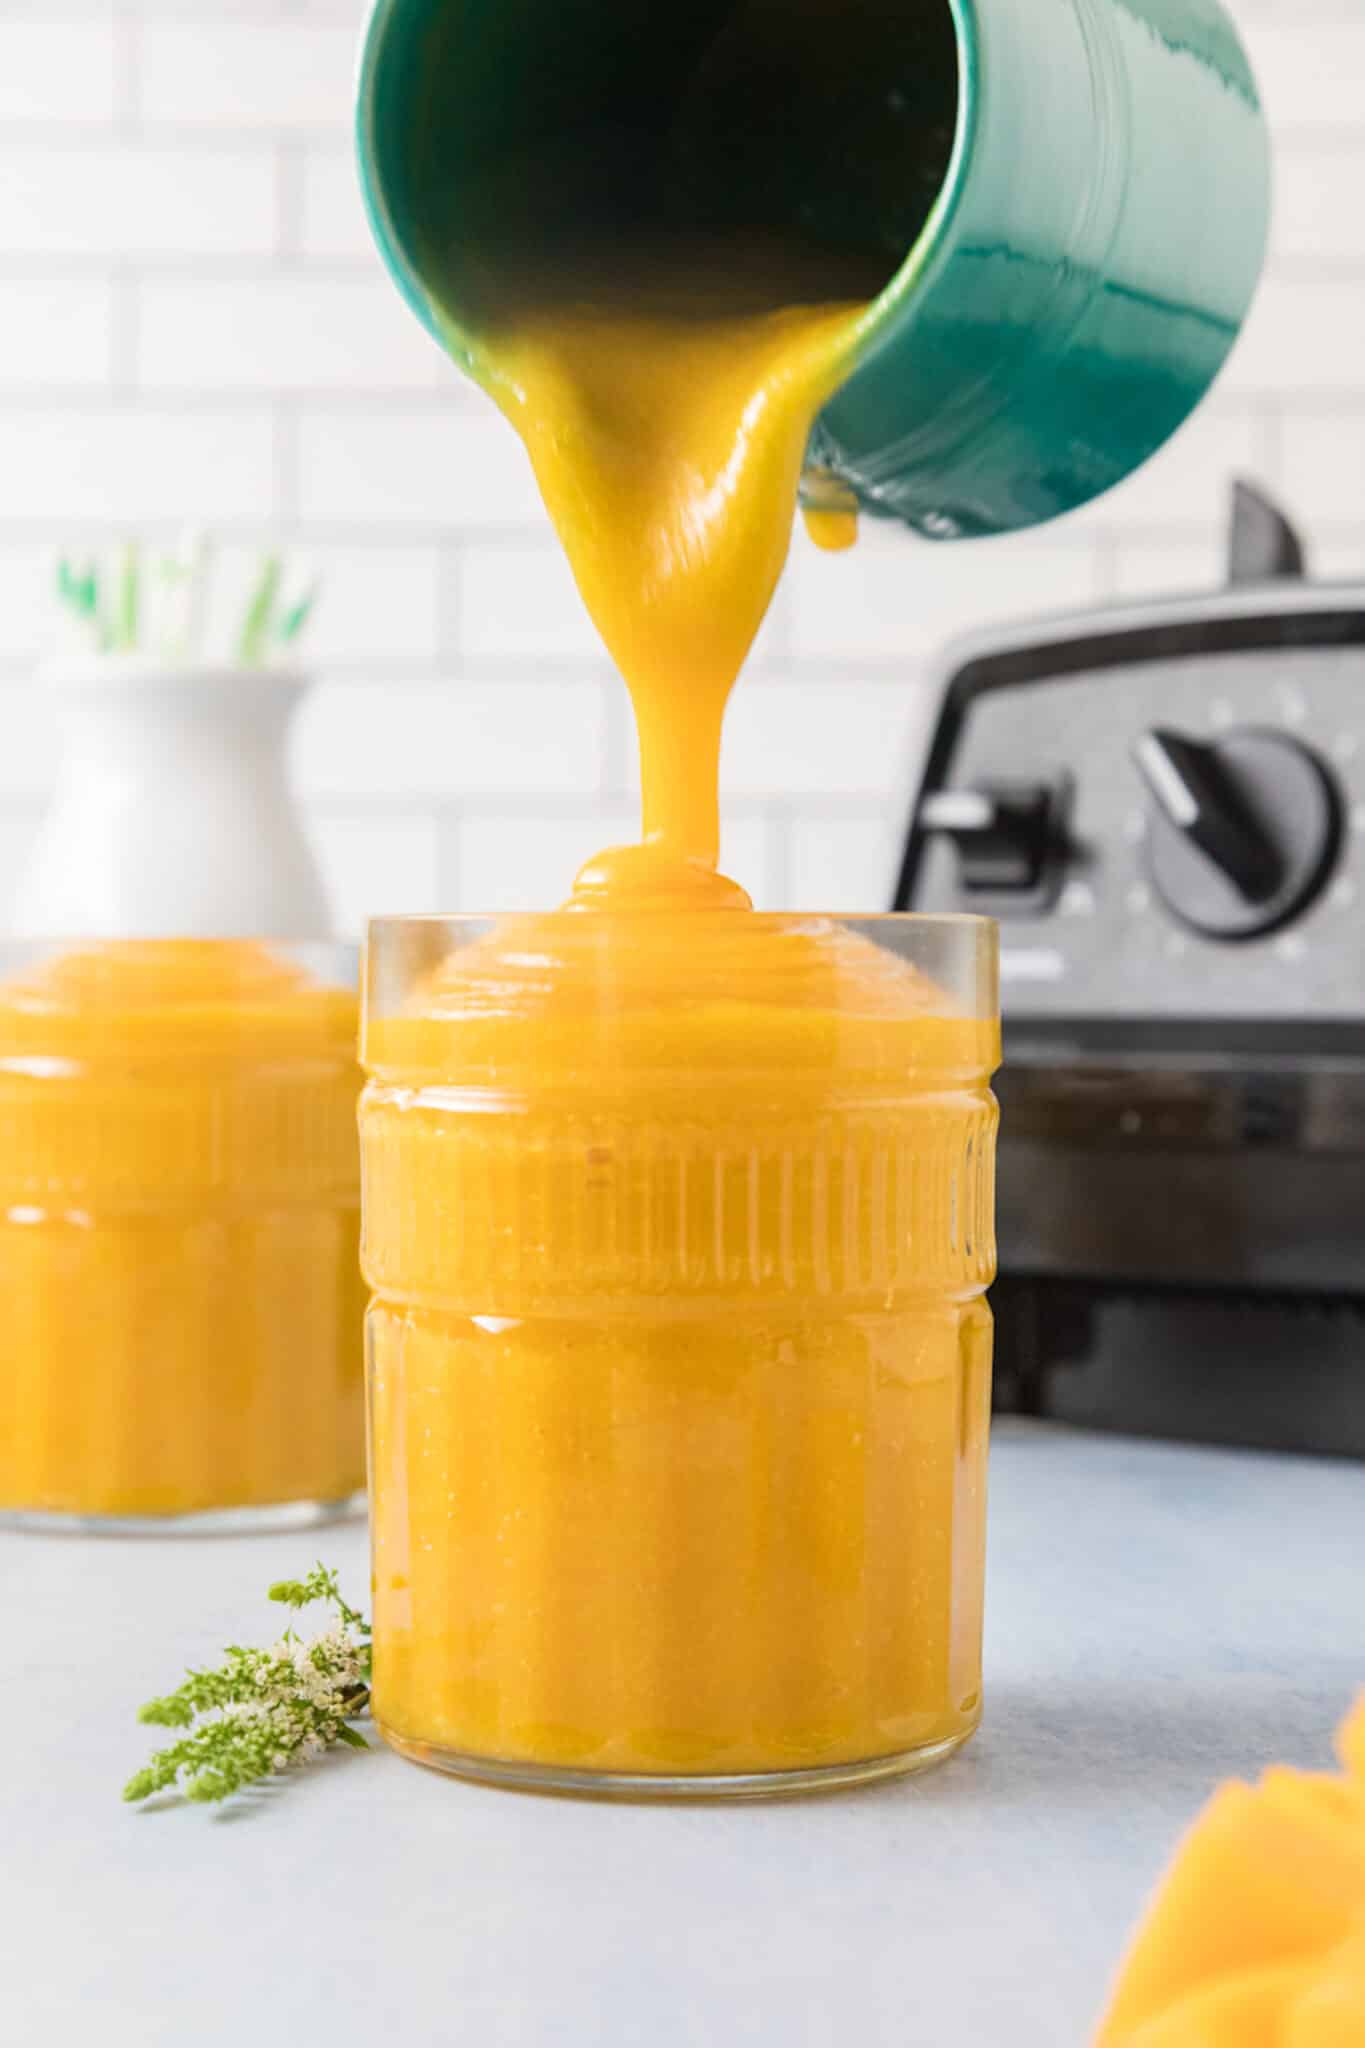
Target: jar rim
<point>476,922</point>
<point>681,970</point>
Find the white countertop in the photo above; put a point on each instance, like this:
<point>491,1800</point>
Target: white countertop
<point>1158,1618</point>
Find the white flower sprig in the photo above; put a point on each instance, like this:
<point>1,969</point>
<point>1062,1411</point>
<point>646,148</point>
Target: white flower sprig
<point>266,1709</point>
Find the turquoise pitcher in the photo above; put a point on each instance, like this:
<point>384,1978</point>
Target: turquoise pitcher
<point>1067,201</point>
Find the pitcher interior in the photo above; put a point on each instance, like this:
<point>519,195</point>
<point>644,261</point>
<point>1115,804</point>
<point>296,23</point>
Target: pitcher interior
<point>560,147</point>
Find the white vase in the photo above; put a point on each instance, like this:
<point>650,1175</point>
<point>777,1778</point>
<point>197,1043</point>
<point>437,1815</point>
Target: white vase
<point>173,815</point>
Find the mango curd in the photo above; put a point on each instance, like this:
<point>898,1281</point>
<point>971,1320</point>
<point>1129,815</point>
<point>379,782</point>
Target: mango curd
<point>677,1218</point>
<point>178,1233</point>
<point>678,1223</point>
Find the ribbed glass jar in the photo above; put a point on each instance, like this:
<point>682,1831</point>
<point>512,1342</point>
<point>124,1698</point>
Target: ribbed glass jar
<point>180,1300</point>
<point>679,1359</point>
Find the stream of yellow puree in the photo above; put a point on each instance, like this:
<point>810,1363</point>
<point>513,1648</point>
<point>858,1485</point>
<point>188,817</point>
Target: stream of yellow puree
<point>677,1218</point>
<point>668,431</point>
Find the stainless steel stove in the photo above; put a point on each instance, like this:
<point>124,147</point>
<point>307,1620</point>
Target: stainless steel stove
<point>1165,807</point>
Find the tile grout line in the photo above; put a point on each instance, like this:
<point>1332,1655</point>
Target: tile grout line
<point>290,161</point>
<point>127,98</point>
<point>778,854</point>
<point>450,600</point>
<point>1107,547</point>
<point>447,818</point>
<point>287,465</point>
<point>125,337</point>
<point>1270,451</point>
<point>618,774</point>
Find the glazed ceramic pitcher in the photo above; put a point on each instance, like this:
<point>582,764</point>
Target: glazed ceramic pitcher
<point>1070,200</point>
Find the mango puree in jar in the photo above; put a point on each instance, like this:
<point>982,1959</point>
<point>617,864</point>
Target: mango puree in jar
<point>179,1226</point>
<point>678,1222</point>
<point>678,1219</point>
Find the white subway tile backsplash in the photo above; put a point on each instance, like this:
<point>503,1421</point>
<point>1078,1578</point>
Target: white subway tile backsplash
<point>18,824</point>
<point>131,199</point>
<point>904,600</point>
<point>56,70</point>
<point>126,465</point>
<point>1340,558</point>
<point>55,333</point>
<point>522,601</point>
<point>752,853</point>
<point>28,759</point>
<point>377,604</point>
<point>826,739</point>
<point>298,334</point>
<point>1142,568</point>
<point>1318,188</point>
<point>28,605</point>
<point>444,466</point>
<point>333,218</point>
<point>1315,324</point>
<point>285,74</point>
<point>377,864</point>
<point>1309,70</point>
<point>850,864</point>
<point>450,739</point>
<point>1324,465</point>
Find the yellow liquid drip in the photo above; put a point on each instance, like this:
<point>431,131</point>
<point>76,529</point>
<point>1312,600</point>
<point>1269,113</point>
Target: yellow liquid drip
<point>677,1218</point>
<point>178,1234</point>
<point>835,531</point>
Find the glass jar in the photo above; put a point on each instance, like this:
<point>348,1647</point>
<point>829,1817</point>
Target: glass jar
<point>180,1299</point>
<point>678,1229</point>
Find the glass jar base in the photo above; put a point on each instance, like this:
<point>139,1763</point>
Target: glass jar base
<point>559,1780</point>
<point>259,1521</point>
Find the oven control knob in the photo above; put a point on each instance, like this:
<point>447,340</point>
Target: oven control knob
<point>1243,830</point>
